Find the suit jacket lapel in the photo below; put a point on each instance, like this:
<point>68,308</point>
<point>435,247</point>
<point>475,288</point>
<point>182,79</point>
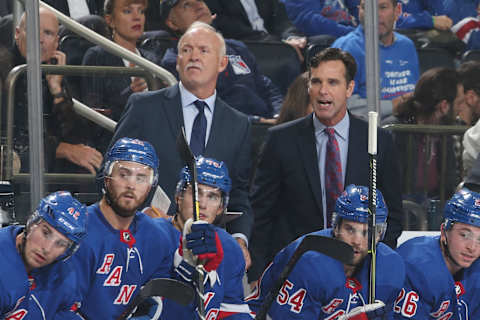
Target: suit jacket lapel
<point>307,145</point>
<point>217,126</point>
<point>356,147</point>
<point>173,109</point>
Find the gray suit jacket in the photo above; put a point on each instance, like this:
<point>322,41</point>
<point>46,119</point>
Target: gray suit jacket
<point>157,117</point>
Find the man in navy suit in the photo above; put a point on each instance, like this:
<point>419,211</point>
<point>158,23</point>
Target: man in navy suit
<point>158,116</point>
<point>289,194</point>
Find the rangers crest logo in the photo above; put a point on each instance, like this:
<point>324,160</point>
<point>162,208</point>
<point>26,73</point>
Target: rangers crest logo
<point>31,282</point>
<point>459,289</point>
<point>238,65</point>
<point>477,202</point>
<point>353,284</point>
<point>127,237</point>
<point>363,197</point>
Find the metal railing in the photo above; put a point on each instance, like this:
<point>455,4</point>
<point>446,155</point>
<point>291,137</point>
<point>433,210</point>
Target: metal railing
<point>79,108</point>
<point>443,132</point>
<point>35,123</point>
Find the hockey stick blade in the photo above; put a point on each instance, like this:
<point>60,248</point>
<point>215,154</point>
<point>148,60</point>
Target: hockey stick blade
<point>328,246</point>
<point>171,289</point>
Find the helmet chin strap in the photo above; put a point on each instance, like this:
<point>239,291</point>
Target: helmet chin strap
<point>21,246</point>
<point>446,248</point>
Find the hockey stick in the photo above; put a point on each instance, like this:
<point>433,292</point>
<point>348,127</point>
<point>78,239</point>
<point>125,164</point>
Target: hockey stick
<point>161,287</point>
<point>188,157</point>
<point>328,246</point>
<point>372,201</point>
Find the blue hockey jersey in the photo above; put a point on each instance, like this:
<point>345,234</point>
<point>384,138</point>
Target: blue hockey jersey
<point>42,294</point>
<point>113,265</point>
<point>430,291</point>
<point>225,298</point>
<point>318,288</point>
<point>14,284</point>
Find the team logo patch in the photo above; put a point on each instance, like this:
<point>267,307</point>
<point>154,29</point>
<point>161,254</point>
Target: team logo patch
<point>31,282</point>
<point>459,289</point>
<point>127,237</point>
<point>353,284</point>
<point>239,66</point>
<point>477,202</point>
<point>363,197</point>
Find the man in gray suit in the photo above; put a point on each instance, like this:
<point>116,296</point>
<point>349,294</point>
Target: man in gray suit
<point>157,117</point>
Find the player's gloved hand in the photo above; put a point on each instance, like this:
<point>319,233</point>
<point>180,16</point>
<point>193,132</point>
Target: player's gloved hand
<point>373,311</point>
<point>204,242</point>
<point>184,262</point>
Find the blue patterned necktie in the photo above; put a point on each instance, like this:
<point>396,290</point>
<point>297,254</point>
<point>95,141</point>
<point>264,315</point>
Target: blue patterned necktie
<point>333,173</point>
<point>199,129</point>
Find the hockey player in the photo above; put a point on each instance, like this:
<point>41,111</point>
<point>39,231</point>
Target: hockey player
<point>37,280</point>
<point>443,272</point>
<point>225,299</point>
<point>124,247</point>
<point>320,287</point>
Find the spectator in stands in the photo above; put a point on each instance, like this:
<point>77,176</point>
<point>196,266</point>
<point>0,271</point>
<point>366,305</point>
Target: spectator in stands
<point>323,17</point>
<point>470,76</point>
<point>423,14</point>
<point>432,103</point>
<point>241,84</point>
<point>64,139</point>
<point>466,22</point>
<point>468,112</point>
<point>290,196</point>
<point>256,20</point>
<point>297,101</point>
<point>399,68</point>
<point>77,8</point>
<point>126,20</point>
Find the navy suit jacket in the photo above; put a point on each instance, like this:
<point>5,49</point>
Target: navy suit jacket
<point>157,117</point>
<point>286,195</point>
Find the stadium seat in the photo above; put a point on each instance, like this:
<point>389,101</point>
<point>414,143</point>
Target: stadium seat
<point>74,46</point>
<point>157,41</point>
<point>6,31</point>
<point>276,60</point>
<point>317,44</point>
<point>435,57</point>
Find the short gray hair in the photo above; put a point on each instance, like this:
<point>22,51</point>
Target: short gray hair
<point>203,25</point>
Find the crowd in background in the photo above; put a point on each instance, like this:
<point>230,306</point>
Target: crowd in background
<point>280,171</point>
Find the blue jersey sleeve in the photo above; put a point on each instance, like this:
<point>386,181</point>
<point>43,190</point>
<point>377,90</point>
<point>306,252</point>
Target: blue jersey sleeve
<point>314,17</point>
